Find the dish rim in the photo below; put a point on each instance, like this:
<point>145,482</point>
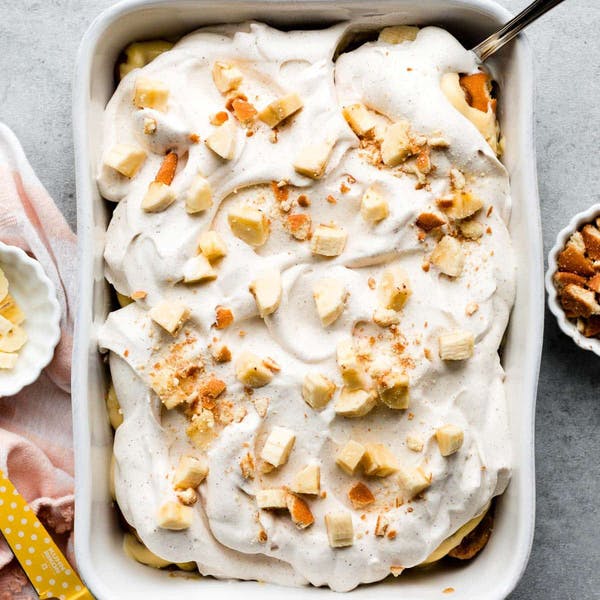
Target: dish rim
<point>101,26</point>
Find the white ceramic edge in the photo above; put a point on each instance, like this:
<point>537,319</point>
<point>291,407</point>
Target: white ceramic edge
<point>83,471</point>
<point>51,335</point>
<point>567,326</point>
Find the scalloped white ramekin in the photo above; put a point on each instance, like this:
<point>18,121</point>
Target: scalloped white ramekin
<point>567,326</point>
<point>35,294</point>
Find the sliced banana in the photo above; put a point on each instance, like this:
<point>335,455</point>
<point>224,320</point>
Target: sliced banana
<point>12,337</point>
<point>9,309</point>
<point>3,285</point>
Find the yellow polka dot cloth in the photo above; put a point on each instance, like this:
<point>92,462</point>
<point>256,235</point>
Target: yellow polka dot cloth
<point>45,565</point>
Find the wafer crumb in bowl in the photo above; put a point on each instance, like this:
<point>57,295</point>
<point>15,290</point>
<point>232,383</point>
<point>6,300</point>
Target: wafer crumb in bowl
<point>573,279</point>
<point>29,320</point>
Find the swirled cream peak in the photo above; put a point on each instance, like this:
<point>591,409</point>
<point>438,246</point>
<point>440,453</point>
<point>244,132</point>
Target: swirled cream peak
<point>320,291</point>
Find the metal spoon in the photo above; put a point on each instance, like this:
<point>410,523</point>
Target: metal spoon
<point>495,41</point>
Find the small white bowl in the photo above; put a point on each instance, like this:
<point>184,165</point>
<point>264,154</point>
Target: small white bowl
<point>35,294</point>
<point>565,324</point>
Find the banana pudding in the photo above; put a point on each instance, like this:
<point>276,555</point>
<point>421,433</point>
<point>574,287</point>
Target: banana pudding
<point>315,272</point>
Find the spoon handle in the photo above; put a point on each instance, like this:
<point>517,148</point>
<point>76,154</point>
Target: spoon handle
<point>495,41</point>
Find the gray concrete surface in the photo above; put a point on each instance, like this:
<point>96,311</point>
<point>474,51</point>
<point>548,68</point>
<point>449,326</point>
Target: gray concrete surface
<point>38,44</point>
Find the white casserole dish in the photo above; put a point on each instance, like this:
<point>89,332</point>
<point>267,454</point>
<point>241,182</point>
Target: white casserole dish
<point>106,570</point>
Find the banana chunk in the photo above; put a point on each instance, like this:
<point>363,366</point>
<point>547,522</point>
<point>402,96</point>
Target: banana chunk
<point>12,337</point>
<point>115,414</point>
<point>448,256</point>
<point>251,370</point>
<point>414,481</point>
<point>227,77</point>
<point>278,446</point>
<point>280,109</point>
<point>249,224</point>
<point>394,288</point>
<point>271,498</point>
<point>449,438</point>
<point>151,93</point>
<point>307,481</point>
<point>8,360</point>
<point>267,290</point>
<point>355,403</point>
<point>158,197</point>
<point>374,207</point>
<point>330,298</point>
<point>10,310</point>
<point>171,316</point>
<point>460,205</point>
<point>222,140</point>
<point>393,390</point>
<point>312,160</point>
<point>352,369</point>
<point>471,229</point>
<point>396,144</point>
<point>350,456</point>
<point>136,550</point>
<point>199,195</point>
<point>139,54</point>
<point>3,287</point>
<point>340,530</point>
<point>125,159</point>
<point>174,516</point>
<point>317,390</point>
<point>379,461</point>
<point>328,240</point>
<point>396,34</point>
<point>191,472</point>
<point>198,269</point>
<point>212,245</point>
<point>359,118</point>
<point>456,345</point>
<point>385,317</point>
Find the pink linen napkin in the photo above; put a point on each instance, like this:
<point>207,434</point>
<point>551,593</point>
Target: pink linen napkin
<point>35,425</point>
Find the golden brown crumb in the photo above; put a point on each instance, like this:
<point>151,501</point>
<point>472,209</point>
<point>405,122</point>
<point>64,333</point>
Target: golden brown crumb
<point>243,110</point>
<point>428,221</point>
<point>219,118</point>
<point>299,225</point>
<point>224,317</point>
<point>303,201</point>
<point>301,515</point>
<point>212,387</point>
<point>247,466</point>
<point>233,98</point>
<point>331,199</point>
<point>194,138</point>
<point>360,495</point>
<point>372,283</point>
<point>281,192</point>
<point>139,295</point>
<point>344,189</point>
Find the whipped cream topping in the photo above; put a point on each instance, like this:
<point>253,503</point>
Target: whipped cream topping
<point>148,251</point>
